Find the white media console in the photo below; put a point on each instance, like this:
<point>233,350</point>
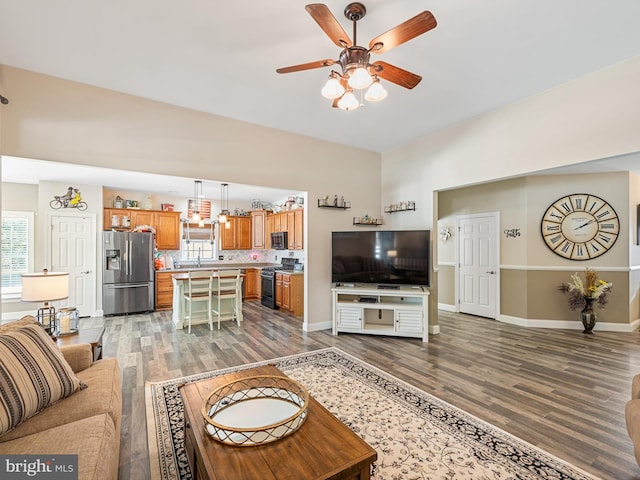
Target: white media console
<point>401,312</point>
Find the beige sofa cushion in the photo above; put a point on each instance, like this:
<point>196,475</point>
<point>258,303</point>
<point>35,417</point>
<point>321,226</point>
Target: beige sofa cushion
<point>93,439</point>
<point>103,395</point>
<point>632,418</point>
<point>33,375</point>
<point>16,324</point>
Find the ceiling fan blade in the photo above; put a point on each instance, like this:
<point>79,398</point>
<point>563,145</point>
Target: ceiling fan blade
<point>421,23</point>
<point>306,66</point>
<point>396,75</point>
<point>323,16</point>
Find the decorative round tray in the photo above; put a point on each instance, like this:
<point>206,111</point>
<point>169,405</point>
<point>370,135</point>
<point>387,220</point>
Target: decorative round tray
<point>255,410</point>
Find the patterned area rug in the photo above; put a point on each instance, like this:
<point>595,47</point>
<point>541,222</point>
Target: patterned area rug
<point>416,435</point>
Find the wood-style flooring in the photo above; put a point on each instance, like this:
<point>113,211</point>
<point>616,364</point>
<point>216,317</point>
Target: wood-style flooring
<point>560,390</point>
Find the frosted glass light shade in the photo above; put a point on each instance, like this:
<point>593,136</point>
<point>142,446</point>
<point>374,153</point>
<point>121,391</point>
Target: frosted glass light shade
<point>332,89</point>
<point>45,286</point>
<point>376,92</point>
<point>360,78</point>
<point>348,101</point>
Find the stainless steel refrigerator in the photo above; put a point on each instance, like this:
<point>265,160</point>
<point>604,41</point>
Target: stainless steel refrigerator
<point>128,272</point>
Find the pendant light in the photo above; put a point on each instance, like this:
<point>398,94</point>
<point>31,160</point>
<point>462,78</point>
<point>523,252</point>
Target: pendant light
<point>197,195</point>
<point>224,204</point>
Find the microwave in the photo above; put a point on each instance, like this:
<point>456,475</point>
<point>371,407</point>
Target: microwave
<point>279,241</point>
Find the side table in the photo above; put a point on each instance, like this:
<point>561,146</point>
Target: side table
<point>92,336</point>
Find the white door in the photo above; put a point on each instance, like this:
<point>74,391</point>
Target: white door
<point>477,266</point>
<point>73,250</point>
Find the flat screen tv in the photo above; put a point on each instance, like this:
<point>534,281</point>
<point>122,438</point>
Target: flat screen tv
<point>384,258</point>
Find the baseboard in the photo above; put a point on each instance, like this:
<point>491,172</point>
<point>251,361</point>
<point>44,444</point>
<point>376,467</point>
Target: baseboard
<point>447,307</point>
<point>569,324</point>
<point>314,327</point>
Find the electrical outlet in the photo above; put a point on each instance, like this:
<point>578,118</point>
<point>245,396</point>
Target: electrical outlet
<point>220,257</point>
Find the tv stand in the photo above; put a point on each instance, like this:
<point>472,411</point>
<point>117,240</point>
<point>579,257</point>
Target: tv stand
<point>401,311</point>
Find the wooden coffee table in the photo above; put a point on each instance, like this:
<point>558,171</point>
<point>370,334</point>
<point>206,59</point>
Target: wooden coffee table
<point>323,447</point>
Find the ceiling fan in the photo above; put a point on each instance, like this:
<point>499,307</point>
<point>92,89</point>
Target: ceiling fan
<point>357,72</point>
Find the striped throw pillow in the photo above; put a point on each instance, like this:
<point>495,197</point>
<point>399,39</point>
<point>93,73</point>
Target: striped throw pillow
<point>33,375</point>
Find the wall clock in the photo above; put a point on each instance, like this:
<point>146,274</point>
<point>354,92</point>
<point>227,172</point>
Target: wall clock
<point>580,226</point>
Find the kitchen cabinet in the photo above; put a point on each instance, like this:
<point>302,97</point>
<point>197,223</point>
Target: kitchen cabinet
<point>290,230</point>
<point>251,284</point>
<point>269,229</point>
<point>290,292</point>
<point>258,228</point>
<point>298,230</point>
<point>164,290</point>
<point>142,217</point>
<point>291,222</point>
<point>236,235</point>
<point>165,224</point>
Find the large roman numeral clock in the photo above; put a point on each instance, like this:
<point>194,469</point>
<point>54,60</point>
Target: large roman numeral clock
<point>580,226</point>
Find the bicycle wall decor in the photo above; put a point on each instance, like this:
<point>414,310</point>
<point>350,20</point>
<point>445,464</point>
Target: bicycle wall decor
<point>71,199</point>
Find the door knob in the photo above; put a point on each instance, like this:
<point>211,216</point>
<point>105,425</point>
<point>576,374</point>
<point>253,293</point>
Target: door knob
<point>87,272</point>
<point>491,272</point>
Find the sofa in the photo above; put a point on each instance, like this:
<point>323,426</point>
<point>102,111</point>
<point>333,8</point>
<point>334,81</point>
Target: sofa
<point>632,416</point>
<point>84,423</point>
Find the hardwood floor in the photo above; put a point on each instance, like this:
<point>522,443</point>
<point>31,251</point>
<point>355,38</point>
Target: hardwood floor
<point>559,390</point>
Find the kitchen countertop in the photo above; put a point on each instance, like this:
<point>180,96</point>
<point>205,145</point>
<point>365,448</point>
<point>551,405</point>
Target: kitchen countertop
<point>217,266</point>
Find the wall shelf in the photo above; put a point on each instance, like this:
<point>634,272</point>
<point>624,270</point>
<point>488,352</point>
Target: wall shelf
<point>400,207</point>
<point>322,203</point>
<point>368,222</point>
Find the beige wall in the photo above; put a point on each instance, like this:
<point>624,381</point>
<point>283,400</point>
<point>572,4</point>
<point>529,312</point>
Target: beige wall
<point>58,120</point>
<point>529,272</point>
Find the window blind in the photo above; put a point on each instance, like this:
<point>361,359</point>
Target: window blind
<point>17,249</point>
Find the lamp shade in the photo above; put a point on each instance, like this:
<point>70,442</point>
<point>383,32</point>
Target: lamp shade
<point>45,286</point>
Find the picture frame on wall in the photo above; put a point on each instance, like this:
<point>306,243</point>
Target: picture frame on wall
<point>166,207</point>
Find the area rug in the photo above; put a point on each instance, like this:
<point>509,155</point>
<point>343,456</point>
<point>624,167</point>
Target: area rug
<point>416,435</point>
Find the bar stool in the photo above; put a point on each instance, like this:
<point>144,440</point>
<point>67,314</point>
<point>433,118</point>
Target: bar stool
<point>227,286</point>
<point>198,290</point>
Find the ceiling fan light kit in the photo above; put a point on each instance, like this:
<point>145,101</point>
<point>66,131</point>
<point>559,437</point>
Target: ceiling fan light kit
<point>357,71</point>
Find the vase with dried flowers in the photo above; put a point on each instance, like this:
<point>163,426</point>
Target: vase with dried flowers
<point>585,294</point>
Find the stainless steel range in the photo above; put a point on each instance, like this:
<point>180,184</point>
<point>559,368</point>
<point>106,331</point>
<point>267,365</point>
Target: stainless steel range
<point>268,281</point>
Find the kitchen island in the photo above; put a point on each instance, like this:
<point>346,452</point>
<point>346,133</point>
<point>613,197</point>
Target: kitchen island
<point>170,288</point>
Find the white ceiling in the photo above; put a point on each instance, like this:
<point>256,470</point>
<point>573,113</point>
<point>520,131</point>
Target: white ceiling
<point>221,57</point>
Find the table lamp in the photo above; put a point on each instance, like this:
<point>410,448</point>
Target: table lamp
<point>45,287</point>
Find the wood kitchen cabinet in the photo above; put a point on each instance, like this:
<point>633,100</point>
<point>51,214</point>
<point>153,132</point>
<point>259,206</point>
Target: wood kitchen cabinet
<point>298,229</point>
<point>165,224</point>
<point>269,229</point>
<point>164,290</point>
<point>251,284</point>
<point>278,289</point>
<point>291,222</point>
<point>258,229</point>
<point>238,234</point>
<point>290,292</point>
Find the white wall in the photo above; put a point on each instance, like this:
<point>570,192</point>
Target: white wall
<point>591,118</point>
<point>58,120</point>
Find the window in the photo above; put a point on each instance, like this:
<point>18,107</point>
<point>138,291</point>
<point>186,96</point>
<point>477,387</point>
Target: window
<point>17,250</point>
<point>197,242</point>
